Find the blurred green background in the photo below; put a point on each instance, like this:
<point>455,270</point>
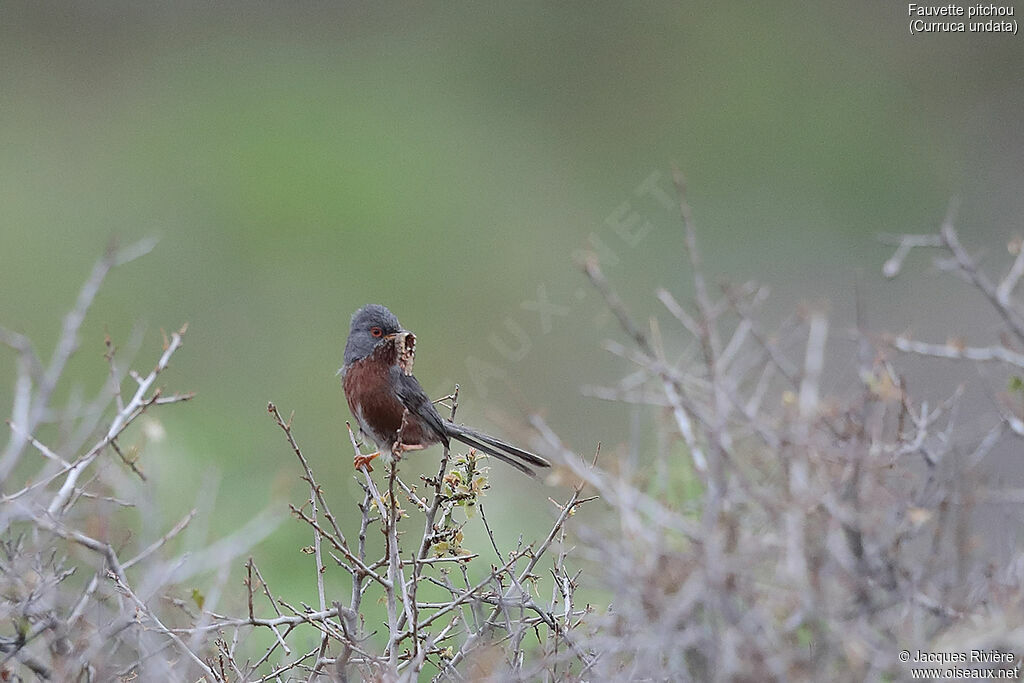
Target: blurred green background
<point>298,160</point>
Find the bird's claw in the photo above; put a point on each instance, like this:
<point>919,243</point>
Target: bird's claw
<point>360,461</point>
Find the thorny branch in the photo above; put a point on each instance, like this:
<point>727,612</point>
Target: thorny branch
<point>823,524</point>
<point>49,520</point>
<point>431,629</point>
<point>781,530</point>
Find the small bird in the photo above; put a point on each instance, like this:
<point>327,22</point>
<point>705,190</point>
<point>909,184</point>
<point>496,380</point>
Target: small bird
<point>391,406</point>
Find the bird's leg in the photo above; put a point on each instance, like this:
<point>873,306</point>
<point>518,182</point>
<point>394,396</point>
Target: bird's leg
<point>399,448</point>
<point>361,460</point>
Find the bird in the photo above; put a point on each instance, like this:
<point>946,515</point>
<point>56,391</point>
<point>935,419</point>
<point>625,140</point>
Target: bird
<point>389,404</point>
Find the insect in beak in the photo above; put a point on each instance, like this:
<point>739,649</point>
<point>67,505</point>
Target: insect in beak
<point>406,346</point>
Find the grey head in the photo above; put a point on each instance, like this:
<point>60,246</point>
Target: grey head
<point>370,324</point>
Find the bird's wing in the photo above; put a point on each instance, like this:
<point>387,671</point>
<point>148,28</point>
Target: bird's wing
<point>416,401</point>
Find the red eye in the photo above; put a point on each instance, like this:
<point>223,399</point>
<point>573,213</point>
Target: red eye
<point>376,332</point>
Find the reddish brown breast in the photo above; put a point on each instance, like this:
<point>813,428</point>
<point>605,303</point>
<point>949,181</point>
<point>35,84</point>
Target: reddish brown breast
<point>374,403</point>
<point>371,400</point>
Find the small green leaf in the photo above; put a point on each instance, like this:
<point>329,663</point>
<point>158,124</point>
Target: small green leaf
<point>198,598</point>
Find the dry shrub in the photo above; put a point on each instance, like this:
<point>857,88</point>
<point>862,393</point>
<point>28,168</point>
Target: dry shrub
<point>778,532</point>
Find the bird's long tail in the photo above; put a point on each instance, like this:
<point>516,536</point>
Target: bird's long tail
<point>505,452</point>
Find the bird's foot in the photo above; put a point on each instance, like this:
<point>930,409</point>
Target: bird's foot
<point>399,448</point>
<point>361,461</point>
